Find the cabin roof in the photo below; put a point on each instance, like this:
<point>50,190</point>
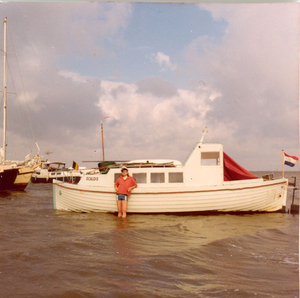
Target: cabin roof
<point>54,162</point>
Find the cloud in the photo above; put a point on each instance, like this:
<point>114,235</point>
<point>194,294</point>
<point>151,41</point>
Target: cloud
<point>75,77</point>
<point>254,69</point>
<point>243,87</point>
<point>157,87</point>
<point>152,125</point>
<point>60,107</point>
<point>163,61</point>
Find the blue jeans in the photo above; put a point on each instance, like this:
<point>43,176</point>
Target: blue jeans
<point>122,198</point>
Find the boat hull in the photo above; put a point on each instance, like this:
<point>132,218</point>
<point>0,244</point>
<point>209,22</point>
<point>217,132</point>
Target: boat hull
<point>249,196</point>
<point>23,178</point>
<point>7,178</point>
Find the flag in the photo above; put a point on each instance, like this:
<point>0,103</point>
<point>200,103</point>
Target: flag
<point>75,166</point>
<point>290,160</point>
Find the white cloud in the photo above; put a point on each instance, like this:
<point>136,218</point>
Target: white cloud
<point>75,77</point>
<point>254,74</point>
<point>151,127</point>
<point>163,61</point>
<point>245,85</point>
<point>27,97</point>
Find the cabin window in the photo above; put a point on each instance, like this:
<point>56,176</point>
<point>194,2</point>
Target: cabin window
<point>140,177</point>
<point>117,175</point>
<point>157,177</point>
<point>210,158</point>
<point>175,177</point>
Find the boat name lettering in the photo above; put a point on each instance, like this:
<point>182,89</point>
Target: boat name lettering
<point>92,178</point>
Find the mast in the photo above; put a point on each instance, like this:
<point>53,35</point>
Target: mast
<point>102,140</point>
<point>102,136</point>
<point>4,93</point>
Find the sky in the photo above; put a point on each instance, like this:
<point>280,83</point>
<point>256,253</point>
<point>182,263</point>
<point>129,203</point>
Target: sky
<point>161,72</point>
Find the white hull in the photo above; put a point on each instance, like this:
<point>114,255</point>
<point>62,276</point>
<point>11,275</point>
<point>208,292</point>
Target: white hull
<point>241,196</point>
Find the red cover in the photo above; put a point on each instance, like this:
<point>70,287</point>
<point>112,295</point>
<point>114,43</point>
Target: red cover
<point>233,171</point>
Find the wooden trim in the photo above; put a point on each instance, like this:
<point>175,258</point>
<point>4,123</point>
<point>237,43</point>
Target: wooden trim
<point>25,173</point>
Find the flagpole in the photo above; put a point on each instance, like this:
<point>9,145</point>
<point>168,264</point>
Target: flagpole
<point>282,163</point>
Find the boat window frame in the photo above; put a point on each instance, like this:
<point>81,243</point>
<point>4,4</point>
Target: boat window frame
<point>210,159</point>
<point>175,173</point>
<point>163,174</point>
<point>139,182</point>
<point>117,176</point>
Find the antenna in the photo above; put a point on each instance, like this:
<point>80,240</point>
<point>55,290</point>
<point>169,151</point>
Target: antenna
<point>48,152</point>
<point>203,134</point>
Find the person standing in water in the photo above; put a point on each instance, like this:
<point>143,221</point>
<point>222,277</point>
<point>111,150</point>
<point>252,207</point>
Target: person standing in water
<point>123,186</point>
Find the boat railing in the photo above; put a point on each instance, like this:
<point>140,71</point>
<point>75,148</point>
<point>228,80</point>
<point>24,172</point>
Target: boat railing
<point>294,207</point>
<point>268,177</point>
<point>105,169</point>
<point>66,175</point>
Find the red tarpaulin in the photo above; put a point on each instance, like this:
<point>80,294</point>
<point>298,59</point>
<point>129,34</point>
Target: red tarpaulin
<point>233,171</point>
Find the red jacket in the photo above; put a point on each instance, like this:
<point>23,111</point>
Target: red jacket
<point>123,185</point>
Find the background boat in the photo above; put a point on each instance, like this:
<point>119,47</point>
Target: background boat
<point>49,171</point>
<point>7,179</point>
<point>26,167</point>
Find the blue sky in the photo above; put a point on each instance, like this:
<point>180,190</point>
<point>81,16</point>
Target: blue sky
<point>162,72</point>
<point>131,49</point>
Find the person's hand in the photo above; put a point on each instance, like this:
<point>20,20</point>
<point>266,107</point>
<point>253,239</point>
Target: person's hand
<point>116,188</point>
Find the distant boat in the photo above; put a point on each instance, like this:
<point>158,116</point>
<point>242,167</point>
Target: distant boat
<point>209,180</point>
<point>24,168</point>
<point>49,171</point>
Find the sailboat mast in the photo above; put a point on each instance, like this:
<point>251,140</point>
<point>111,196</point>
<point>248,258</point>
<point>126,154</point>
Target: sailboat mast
<point>102,140</point>
<point>4,93</point>
<point>103,136</point>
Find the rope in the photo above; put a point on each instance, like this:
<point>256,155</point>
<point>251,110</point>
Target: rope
<point>21,116</point>
<point>113,146</point>
<point>23,86</point>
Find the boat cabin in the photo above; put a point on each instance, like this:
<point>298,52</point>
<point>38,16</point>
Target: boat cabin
<point>206,164</point>
<point>53,166</point>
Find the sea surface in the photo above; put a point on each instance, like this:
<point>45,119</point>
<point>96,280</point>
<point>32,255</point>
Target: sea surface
<point>48,253</point>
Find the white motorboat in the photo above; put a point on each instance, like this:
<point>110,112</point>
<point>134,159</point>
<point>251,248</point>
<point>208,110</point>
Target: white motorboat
<point>49,171</point>
<point>209,180</point>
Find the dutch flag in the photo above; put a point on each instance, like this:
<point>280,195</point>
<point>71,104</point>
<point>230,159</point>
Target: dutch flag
<point>290,160</point>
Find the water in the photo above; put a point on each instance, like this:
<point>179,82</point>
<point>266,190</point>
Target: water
<point>47,253</point>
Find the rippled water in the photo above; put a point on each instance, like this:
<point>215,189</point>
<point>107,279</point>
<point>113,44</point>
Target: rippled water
<point>47,253</point>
